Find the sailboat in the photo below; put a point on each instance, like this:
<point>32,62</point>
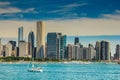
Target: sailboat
<point>35,69</point>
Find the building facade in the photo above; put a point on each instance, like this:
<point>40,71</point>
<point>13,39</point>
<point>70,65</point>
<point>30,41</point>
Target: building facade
<point>76,40</point>
<point>20,34</point>
<point>10,48</point>
<point>105,50</point>
<point>31,44</point>
<point>91,52</point>
<point>40,40</point>
<point>23,49</point>
<point>56,46</point>
<point>117,54</point>
<point>53,41</point>
<point>98,50</point>
<point>62,47</point>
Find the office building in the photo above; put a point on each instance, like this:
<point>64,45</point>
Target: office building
<point>23,49</point>
<point>85,53</point>
<point>53,47</point>
<point>10,48</point>
<point>77,52</point>
<point>91,52</point>
<point>69,51</point>
<point>56,46</point>
<point>117,54</point>
<point>98,50</point>
<point>81,53</point>
<point>62,47</point>
<point>20,34</point>
<point>76,40</point>
<point>40,40</point>
<point>31,44</point>
<point>105,50</point>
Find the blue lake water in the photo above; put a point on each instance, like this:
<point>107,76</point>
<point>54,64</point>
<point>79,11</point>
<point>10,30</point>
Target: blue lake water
<point>61,71</point>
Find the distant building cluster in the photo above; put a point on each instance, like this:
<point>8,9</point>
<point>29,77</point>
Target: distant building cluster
<point>55,47</point>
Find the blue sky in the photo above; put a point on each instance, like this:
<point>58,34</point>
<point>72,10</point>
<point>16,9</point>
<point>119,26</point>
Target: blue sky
<point>57,9</point>
<point>92,20</point>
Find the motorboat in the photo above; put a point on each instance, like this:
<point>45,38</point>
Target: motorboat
<point>35,69</point>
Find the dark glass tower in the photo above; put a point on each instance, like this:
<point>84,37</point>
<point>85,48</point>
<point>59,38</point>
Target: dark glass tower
<point>62,47</point>
<point>105,50</point>
<point>20,34</point>
<point>31,44</point>
<point>56,46</point>
<point>52,45</point>
<point>76,40</point>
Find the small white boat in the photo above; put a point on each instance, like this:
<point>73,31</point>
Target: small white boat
<point>35,69</point>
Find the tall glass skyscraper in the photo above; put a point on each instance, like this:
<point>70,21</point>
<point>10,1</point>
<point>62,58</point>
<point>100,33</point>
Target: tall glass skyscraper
<point>56,46</point>
<point>40,40</point>
<point>63,46</point>
<point>31,44</point>
<point>105,50</point>
<point>20,34</point>
<point>52,45</point>
<point>98,50</point>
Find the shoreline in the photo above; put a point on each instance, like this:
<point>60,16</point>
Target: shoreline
<point>62,62</point>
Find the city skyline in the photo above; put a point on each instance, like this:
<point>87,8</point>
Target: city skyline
<point>97,20</point>
<point>60,49</point>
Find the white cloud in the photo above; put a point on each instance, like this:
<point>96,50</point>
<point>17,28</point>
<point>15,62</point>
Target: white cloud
<point>30,10</point>
<point>117,11</point>
<point>4,3</point>
<point>115,16</point>
<point>9,10</point>
<point>111,16</point>
<point>74,5</point>
<point>68,7</point>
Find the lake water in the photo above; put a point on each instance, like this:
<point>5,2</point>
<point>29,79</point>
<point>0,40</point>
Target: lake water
<point>61,71</point>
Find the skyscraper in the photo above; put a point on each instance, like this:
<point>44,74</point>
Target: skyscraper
<point>62,46</point>
<point>40,40</point>
<point>31,44</point>
<point>76,40</point>
<point>20,34</point>
<point>117,54</point>
<point>23,49</point>
<point>52,45</point>
<point>56,46</point>
<point>69,51</point>
<point>105,50</point>
<point>91,52</point>
<point>98,50</point>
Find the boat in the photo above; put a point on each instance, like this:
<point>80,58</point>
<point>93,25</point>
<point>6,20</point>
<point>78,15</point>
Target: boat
<point>35,69</point>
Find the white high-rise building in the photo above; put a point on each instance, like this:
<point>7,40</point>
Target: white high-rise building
<point>70,51</point>
<point>8,49</point>
<point>23,49</point>
<point>77,51</point>
<point>40,40</point>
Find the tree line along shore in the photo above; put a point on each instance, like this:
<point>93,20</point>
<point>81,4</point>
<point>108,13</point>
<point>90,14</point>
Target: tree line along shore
<point>17,59</point>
